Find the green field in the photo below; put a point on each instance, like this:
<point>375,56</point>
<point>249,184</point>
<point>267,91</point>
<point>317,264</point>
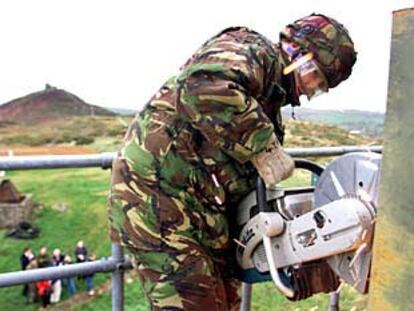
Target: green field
<point>84,191</point>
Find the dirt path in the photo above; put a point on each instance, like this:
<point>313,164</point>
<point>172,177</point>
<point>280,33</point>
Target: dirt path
<point>83,297</point>
<point>80,298</point>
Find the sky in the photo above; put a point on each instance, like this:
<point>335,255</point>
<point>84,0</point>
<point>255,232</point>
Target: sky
<point>118,53</point>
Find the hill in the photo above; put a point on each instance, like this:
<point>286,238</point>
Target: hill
<point>365,122</point>
<point>48,104</point>
<point>105,133</point>
<point>302,133</point>
<point>123,111</point>
<point>75,130</point>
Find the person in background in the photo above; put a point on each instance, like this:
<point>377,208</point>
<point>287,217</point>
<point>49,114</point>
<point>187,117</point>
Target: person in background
<point>89,278</point>
<point>81,252</point>
<point>31,294</point>
<point>44,287</point>
<point>25,259</point>
<point>43,258</point>
<point>70,281</point>
<point>57,260</point>
<point>44,291</point>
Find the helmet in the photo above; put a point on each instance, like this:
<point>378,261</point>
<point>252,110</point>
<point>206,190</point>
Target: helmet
<point>328,41</point>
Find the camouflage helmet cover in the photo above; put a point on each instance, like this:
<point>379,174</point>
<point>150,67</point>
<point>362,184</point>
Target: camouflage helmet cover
<point>329,42</point>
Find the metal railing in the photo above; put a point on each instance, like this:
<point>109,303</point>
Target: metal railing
<point>104,160</point>
<point>117,262</point>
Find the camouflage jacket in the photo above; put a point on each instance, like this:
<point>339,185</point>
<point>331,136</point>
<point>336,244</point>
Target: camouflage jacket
<point>199,131</point>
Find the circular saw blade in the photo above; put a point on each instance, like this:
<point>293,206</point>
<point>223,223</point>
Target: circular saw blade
<point>354,174</point>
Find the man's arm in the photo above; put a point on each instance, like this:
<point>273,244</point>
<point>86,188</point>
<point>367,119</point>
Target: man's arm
<point>217,94</point>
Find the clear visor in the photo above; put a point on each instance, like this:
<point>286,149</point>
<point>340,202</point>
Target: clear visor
<point>311,79</point>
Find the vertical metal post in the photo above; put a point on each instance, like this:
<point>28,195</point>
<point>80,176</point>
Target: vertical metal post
<point>261,202</point>
<point>334,302</point>
<point>118,279</point>
<point>246,297</point>
<point>392,272</point>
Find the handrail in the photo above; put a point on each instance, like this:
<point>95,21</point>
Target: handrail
<point>104,160</point>
<point>59,272</point>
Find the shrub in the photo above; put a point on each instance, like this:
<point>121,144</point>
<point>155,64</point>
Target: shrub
<point>84,140</point>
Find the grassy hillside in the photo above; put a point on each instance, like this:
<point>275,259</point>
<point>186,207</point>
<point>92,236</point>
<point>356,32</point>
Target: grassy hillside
<point>301,133</point>
<point>102,133</point>
<point>91,131</point>
<point>366,122</point>
<point>84,193</point>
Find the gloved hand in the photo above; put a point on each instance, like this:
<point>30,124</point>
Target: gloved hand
<point>273,164</point>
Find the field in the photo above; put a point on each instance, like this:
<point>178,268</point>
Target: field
<point>84,193</point>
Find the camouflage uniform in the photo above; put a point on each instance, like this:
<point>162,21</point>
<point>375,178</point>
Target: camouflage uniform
<point>185,164</point>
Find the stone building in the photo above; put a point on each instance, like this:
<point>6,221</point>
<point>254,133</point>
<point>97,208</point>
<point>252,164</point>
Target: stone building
<point>14,206</point>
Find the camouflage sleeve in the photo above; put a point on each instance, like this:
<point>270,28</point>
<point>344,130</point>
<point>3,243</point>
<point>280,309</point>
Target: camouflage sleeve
<point>218,93</point>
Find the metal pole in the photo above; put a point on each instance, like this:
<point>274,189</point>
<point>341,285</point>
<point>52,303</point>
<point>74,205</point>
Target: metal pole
<point>392,271</point>
<point>30,276</point>
<point>334,302</point>
<point>104,160</point>
<point>118,278</point>
<point>330,151</point>
<point>261,202</point>
<point>246,298</point>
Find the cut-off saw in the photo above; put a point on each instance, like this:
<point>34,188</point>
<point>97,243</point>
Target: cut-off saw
<point>309,240</point>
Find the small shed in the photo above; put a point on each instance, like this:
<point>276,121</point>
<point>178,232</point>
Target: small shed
<point>14,206</point>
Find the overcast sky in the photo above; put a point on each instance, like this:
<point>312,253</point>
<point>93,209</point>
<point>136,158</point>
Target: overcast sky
<point>118,53</point>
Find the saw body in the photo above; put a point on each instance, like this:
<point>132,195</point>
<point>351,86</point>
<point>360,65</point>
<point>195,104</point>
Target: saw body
<point>308,239</point>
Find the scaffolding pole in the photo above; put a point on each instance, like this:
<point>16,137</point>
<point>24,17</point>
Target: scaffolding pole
<point>104,160</point>
<point>118,278</point>
<point>10,163</point>
<point>59,272</point>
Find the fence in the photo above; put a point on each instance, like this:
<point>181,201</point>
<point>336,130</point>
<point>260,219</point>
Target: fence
<point>117,262</point>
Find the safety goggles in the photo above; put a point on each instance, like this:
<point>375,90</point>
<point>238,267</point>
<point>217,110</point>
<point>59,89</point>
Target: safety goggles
<point>311,79</point>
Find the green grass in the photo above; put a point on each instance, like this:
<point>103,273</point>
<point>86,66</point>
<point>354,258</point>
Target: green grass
<point>134,300</point>
<point>84,191</point>
<point>265,297</point>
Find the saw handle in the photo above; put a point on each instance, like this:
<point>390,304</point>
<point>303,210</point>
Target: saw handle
<point>261,195</point>
<point>310,166</point>
<point>267,242</point>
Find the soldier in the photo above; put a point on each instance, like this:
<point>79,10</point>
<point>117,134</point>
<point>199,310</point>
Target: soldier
<point>196,148</point>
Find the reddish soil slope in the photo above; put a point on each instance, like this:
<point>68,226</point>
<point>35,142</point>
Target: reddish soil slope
<point>48,104</point>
